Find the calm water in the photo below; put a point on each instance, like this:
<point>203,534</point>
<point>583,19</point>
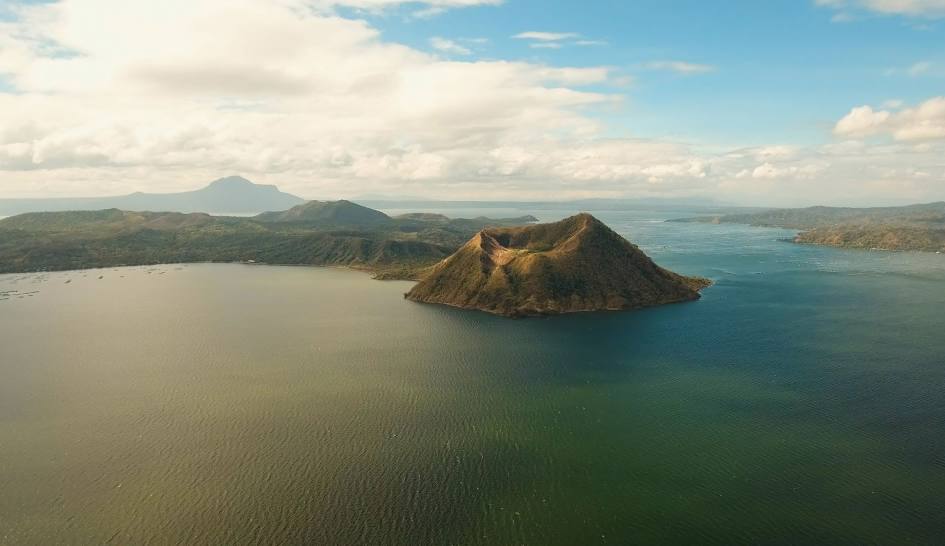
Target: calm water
<point>801,401</point>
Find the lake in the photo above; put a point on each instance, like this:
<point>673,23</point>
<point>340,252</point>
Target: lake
<point>800,401</point>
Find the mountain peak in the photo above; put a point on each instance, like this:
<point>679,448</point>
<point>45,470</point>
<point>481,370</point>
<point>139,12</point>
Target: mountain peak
<point>339,213</point>
<point>576,264</point>
<point>230,182</point>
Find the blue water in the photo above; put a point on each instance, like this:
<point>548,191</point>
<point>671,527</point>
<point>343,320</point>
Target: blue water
<point>800,401</point>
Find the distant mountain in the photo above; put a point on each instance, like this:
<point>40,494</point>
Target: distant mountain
<point>913,227</point>
<point>230,195</point>
<point>577,264</point>
<point>337,213</point>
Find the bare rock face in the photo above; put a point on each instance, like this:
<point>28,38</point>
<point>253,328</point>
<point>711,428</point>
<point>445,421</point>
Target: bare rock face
<point>577,264</point>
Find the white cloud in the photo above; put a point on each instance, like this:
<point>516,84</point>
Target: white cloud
<point>919,68</point>
<point>842,17</point>
<point>771,171</point>
<point>680,67</point>
<point>924,122</point>
<point>449,46</point>
<point>431,6</point>
<point>779,151</point>
<point>916,70</point>
<point>555,40</point>
<point>546,36</point>
<point>913,8</point>
<point>861,121</point>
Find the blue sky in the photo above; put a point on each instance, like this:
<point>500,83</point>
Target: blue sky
<point>774,102</point>
<point>783,70</point>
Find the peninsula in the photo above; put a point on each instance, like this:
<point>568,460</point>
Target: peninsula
<point>913,227</point>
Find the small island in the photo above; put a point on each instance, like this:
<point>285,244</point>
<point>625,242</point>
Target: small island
<point>577,264</point>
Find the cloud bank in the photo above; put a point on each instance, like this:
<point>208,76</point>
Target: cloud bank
<point>113,96</point>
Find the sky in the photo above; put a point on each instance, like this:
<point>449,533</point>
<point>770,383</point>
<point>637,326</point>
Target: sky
<point>780,103</point>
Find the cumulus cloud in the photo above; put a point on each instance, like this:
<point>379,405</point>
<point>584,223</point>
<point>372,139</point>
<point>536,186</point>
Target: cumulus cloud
<point>771,171</point>
<point>861,121</point>
<point>923,122</point>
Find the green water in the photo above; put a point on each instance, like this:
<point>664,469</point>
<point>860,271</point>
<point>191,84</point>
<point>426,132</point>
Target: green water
<point>801,401</point>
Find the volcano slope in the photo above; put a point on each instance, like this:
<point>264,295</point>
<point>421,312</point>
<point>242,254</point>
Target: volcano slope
<point>577,264</point>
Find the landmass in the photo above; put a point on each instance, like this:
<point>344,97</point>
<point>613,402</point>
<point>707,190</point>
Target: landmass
<point>876,238</point>
<point>506,266</point>
<point>914,227</point>
<point>577,264</point>
<point>338,233</point>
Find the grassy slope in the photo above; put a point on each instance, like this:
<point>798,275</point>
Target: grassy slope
<point>578,264</point>
<point>873,237</point>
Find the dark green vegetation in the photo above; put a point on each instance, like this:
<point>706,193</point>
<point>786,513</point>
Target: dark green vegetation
<point>317,233</point>
<point>577,264</point>
<point>914,227</point>
<point>230,195</point>
<point>328,213</point>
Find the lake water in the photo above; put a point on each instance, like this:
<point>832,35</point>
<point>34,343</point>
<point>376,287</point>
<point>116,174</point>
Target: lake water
<point>801,401</point>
